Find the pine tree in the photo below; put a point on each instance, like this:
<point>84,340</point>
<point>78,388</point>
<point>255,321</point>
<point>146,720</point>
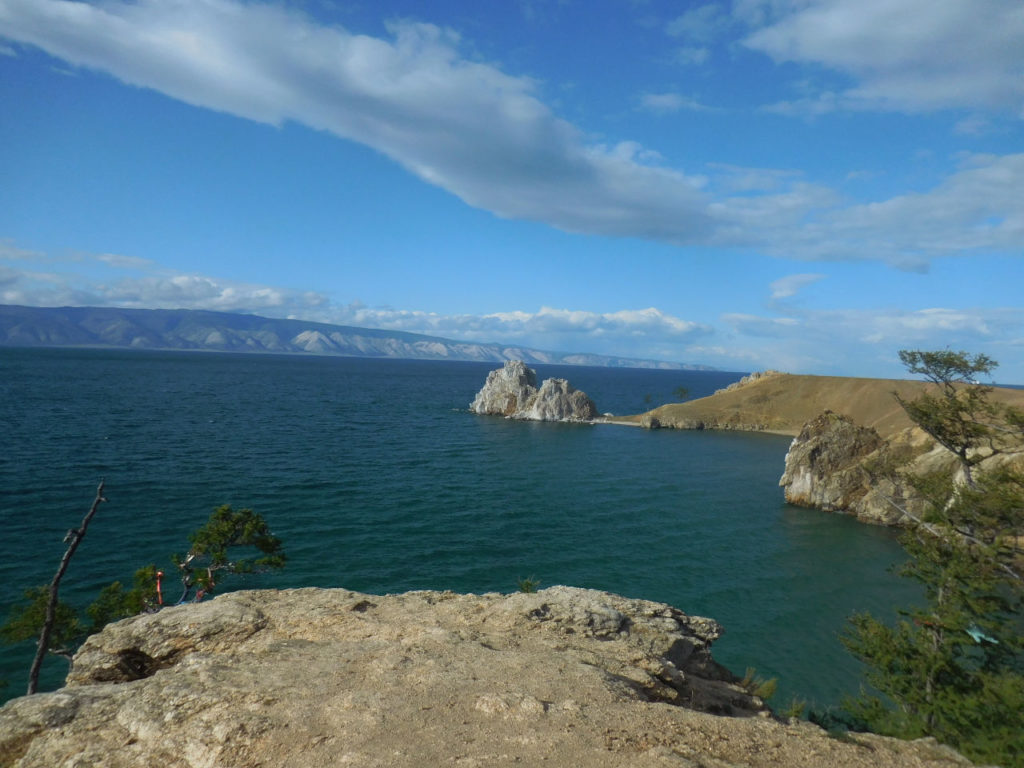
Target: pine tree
<point>953,668</point>
<point>230,542</point>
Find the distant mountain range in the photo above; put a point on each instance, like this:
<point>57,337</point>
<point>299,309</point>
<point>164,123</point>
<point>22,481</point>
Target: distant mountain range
<point>229,332</point>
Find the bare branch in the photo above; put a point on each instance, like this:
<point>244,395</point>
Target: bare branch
<point>73,538</point>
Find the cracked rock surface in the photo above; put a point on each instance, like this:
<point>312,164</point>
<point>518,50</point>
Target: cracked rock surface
<point>329,677</point>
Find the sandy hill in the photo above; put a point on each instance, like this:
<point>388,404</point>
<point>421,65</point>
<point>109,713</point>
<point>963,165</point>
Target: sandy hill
<point>783,402</point>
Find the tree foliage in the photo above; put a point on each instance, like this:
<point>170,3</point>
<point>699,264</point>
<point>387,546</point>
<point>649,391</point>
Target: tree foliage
<point>953,668</point>
<point>115,602</point>
<point>26,619</point>
<point>959,414</point>
<point>230,542</point>
<point>227,533</point>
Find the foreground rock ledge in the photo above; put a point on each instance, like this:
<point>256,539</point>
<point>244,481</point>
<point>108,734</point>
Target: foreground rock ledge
<point>328,677</point>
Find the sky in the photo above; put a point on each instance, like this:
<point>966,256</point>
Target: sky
<point>804,185</point>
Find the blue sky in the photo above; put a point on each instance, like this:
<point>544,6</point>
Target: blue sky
<point>809,185</point>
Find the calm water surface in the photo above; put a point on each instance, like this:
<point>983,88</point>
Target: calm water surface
<point>378,479</point>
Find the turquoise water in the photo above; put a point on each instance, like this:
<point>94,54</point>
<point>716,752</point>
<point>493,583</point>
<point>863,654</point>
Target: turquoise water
<point>378,479</point>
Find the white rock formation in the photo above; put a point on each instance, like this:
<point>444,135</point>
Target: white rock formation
<point>512,391</point>
<point>506,390</point>
<point>557,400</point>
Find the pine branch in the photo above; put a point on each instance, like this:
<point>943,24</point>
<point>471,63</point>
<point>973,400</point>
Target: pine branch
<point>940,534</point>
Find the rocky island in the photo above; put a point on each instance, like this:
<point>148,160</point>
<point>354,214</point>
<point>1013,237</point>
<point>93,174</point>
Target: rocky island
<point>328,677</point>
<point>512,392</point>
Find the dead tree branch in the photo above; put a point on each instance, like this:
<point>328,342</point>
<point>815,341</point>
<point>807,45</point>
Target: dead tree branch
<point>73,538</point>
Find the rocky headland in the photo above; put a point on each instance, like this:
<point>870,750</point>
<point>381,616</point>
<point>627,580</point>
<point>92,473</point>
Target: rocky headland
<point>847,432</point>
<point>328,677</point>
<point>512,391</point>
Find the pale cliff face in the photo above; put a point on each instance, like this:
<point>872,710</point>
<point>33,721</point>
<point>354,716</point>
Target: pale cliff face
<point>562,677</point>
<point>829,467</point>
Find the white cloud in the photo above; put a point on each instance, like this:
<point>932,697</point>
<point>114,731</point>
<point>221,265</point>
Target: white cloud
<point>885,329</point>
<point>689,54</point>
<point>559,325</point>
<point>865,341</point>
<point>978,208</point>
<point>459,124</point>
<point>202,292</point>
<point>8,250</point>
<point>925,323</point>
<point>973,125</point>
<point>910,55</point>
<point>124,262</point>
<point>752,325</point>
<point>734,178</point>
<point>626,332</point>
<point>487,136</point>
<point>788,286</point>
<point>156,288</point>
<point>670,102</point>
<point>702,24</point>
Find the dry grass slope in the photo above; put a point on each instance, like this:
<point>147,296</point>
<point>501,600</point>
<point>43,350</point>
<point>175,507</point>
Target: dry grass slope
<point>784,402</point>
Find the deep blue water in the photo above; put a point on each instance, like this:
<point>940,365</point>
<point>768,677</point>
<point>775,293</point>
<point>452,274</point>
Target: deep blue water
<point>378,479</point>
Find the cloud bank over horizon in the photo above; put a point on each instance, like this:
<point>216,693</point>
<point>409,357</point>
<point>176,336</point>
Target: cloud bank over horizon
<point>788,337</point>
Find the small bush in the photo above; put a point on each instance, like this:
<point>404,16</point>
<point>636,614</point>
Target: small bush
<point>529,584</point>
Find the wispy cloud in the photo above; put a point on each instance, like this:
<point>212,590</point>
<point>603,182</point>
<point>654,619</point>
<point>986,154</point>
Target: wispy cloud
<point>885,330</point>
<point>977,208</point>
<point>79,279</point>
<point>459,124</point>
<point>8,250</point>
<point>698,29</point>
<point>124,262</point>
<point>791,285</point>
<point>753,325</point>
<point>647,332</point>
<point>670,102</point>
<point>730,179</point>
<point>702,24</point>
<point>489,138</point>
<point>801,340</point>
<point>912,55</point>
<point>51,289</point>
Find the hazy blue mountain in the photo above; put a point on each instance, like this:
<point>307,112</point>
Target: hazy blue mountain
<point>229,332</point>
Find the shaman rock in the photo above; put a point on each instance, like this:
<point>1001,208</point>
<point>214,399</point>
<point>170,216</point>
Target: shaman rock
<point>327,677</point>
<point>557,400</point>
<point>512,392</point>
<point>506,390</point>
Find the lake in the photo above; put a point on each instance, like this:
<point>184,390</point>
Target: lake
<point>378,478</point>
